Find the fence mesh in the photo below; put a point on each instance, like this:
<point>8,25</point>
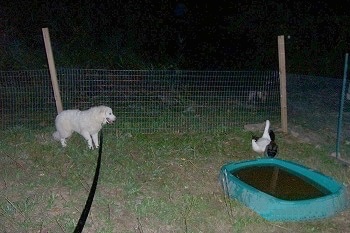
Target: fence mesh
<point>147,101</point>
<point>25,98</point>
<point>313,105</point>
<point>144,100</point>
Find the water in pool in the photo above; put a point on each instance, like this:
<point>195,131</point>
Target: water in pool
<point>280,183</point>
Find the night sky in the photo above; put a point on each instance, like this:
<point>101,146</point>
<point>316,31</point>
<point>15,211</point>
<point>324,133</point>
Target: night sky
<point>216,35</point>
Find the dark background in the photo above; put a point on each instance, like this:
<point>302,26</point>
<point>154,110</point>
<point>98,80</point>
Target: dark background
<point>211,35</point>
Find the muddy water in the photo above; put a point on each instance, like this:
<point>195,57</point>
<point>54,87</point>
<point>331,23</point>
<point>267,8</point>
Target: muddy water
<point>280,183</point>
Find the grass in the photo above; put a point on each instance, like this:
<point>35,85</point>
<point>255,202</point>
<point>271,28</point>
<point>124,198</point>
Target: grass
<point>157,182</point>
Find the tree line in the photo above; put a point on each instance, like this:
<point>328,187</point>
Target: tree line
<point>135,34</point>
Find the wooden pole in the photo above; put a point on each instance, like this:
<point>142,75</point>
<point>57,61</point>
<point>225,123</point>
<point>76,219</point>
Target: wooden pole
<point>52,68</point>
<point>283,83</point>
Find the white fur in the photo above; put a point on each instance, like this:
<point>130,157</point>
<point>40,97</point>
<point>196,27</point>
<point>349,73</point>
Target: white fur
<point>87,123</point>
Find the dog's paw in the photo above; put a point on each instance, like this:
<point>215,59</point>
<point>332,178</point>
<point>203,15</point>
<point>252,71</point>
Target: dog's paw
<point>63,143</point>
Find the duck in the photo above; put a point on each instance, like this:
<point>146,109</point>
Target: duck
<point>266,143</point>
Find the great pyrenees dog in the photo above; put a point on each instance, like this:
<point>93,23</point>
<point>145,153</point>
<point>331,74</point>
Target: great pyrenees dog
<point>87,123</point>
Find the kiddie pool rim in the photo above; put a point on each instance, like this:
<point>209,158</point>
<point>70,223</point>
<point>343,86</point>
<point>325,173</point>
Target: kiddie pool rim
<point>275,209</point>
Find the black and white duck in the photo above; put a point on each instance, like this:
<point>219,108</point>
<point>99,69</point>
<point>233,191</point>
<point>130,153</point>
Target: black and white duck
<point>266,143</point>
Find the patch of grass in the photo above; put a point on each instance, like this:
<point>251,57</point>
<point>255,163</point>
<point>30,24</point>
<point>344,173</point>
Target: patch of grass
<point>161,182</point>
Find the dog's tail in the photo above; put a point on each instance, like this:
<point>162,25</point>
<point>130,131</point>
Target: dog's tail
<point>56,136</point>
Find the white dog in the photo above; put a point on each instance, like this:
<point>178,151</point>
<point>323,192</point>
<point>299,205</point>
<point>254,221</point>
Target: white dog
<point>87,123</point>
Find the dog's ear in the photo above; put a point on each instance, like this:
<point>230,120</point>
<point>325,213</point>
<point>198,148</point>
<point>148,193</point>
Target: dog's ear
<point>103,111</point>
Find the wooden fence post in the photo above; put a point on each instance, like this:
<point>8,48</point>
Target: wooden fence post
<point>283,83</point>
<point>52,68</point>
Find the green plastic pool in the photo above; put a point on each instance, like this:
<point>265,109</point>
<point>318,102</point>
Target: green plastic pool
<point>331,200</point>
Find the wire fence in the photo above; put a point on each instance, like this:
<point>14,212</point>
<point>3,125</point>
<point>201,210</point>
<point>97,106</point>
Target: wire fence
<point>314,105</point>
<point>144,101</point>
<point>148,101</point>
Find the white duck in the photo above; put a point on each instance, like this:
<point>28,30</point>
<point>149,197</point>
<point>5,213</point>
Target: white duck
<point>259,144</point>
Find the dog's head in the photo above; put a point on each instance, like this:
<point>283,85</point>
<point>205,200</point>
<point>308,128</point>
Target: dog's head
<point>107,114</point>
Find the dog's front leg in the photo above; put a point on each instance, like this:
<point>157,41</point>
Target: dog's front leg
<point>87,137</point>
<point>95,139</point>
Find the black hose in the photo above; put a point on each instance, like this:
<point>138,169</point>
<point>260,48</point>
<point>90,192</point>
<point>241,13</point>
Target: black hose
<point>85,213</point>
